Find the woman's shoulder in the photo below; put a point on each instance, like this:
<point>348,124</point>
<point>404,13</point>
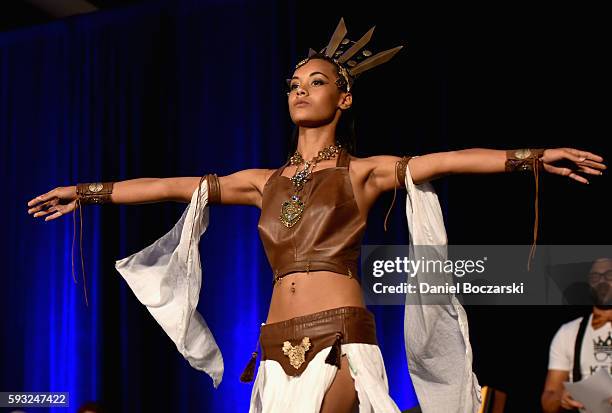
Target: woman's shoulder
<point>360,168</point>
<point>358,162</point>
<point>264,176</point>
<point>373,160</point>
<point>249,178</point>
<point>366,165</point>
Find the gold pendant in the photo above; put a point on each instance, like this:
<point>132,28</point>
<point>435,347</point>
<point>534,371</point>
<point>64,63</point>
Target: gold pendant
<point>291,211</point>
<point>296,354</point>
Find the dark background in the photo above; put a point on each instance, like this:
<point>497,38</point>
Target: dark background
<point>157,89</point>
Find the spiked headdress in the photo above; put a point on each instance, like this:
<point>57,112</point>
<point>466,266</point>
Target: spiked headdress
<point>351,57</point>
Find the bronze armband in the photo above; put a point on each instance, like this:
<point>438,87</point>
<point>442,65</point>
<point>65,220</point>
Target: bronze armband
<point>523,159</point>
<point>94,192</point>
<point>400,174</point>
<point>214,189</point>
<point>400,170</point>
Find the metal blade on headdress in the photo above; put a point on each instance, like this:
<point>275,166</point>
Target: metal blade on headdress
<point>336,38</point>
<point>357,46</point>
<point>374,61</point>
<point>311,51</point>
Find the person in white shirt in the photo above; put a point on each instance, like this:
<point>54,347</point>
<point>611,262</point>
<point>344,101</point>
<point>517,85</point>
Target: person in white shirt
<point>581,346</point>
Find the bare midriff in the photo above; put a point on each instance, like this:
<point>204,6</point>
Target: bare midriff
<point>302,293</point>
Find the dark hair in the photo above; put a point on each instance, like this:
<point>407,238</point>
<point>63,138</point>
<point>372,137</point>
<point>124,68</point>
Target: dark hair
<point>345,130</point>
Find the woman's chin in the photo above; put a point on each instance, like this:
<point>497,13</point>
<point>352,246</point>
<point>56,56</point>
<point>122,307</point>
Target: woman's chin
<point>309,122</point>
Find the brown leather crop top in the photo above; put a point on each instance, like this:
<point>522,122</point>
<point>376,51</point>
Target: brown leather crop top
<point>328,235</point>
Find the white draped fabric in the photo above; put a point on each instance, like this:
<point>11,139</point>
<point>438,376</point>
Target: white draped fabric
<point>169,286</point>
<point>436,335</point>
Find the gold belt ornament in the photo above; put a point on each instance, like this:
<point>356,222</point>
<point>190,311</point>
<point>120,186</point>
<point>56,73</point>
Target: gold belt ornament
<point>296,353</point>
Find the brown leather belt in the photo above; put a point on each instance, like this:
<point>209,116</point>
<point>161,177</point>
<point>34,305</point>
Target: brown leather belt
<point>294,342</point>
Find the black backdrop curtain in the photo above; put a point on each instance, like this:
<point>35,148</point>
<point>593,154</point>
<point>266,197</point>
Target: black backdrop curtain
<point>184,88</point>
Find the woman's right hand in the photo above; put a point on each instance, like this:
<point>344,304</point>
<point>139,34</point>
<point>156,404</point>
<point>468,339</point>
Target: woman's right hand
<point>57,202</point>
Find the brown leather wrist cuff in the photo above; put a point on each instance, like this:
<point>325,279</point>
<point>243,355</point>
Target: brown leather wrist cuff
<point>527,160</point>
<point>400,170</point>
<point>94,192</point>
<point>518,160</point>
<point>214,189</point>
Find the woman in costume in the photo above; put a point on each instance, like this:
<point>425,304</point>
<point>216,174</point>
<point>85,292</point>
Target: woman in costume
<point>318,345</point>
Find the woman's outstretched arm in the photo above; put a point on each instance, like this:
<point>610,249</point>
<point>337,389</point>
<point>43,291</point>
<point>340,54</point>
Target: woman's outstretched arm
<point>562,161</point>
<point>240,188</point>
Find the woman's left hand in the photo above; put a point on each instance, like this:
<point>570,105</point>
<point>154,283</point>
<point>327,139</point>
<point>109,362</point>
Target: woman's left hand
<point>569,162</point>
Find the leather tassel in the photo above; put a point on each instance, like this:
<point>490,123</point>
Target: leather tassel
<point>536,169</point>
<point>335,353</point>
<point>249,371</point>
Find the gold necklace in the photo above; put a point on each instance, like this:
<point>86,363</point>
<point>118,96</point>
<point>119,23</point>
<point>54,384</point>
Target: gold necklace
<point>292,209</point>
